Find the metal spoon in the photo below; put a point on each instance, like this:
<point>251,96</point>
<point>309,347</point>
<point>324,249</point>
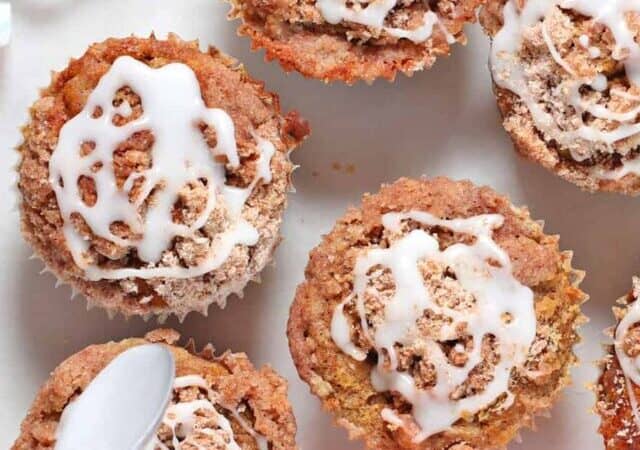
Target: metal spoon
<point>122,407</point>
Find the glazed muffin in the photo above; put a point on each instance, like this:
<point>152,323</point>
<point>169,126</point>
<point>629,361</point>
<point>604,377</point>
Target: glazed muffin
<point>349,41</point>
<point>251,403</point>
<point>436,316</point>
<point>618,387</point>
<point>567,82</point>
<point>154,176</point>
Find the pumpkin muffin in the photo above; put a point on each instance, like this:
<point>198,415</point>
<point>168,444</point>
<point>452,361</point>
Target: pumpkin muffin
<point>567,81</point>
<point>252,403</point>
<point>618,387</point>
<point>436,315</point>
<point>154,176</point>
<point>348,41</point>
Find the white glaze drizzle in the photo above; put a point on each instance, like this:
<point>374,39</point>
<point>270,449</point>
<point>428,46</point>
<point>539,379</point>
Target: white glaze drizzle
<point>173,109</point>
<point>181,419</point>
<point>630,366</point>
<point>495,290</point>
<point>594,52</point>
<point>374,14</point>
<point>509,74</point>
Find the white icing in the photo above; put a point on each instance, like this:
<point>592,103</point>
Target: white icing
<point>374,14</point>
<point>599,83</point>
<point>173,109</point>
<point>496,293</point>
<point>181,420</point>
<point>625,95</point>
<point>584,40</point>
<point>509,74</point>
<point>594,52</point>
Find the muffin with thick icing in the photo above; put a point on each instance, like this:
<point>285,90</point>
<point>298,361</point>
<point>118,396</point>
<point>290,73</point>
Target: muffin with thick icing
<point>567,81</point>
<point>437,315</point>
<point>349,41</point>
<point>218,403</point>
<point>618,387</point>
<point>154,176</point>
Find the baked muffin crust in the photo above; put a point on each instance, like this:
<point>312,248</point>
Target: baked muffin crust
<point>256,120</point>
<point>616,390</point>
<point>335,40</point>
<point>384,418</point>
<point>566,84</point>
<point>258,395</point>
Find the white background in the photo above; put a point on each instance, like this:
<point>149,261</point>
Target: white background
<point>440,122</point>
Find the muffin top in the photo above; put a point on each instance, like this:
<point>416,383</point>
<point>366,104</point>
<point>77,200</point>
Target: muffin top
<point>218,403</point>
<point>568,84</point>
<point>342,40</point>
<point>154,175</point>
<point>618,387</point>
<point>436,316</point>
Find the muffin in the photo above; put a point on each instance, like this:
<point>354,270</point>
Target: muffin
<point>153,176</point>
<point>252,402</point>
<point>567,83</point>
<point>618,387</point>
<point>349,41</point>
<point>436,316</point>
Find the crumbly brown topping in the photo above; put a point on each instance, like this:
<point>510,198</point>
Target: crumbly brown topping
<point>296,33</point>
<point>618,425</point>
<point>205,433</point>
<point>258,395</point>
<point>550,88</point>
<point>446,291</point>
<point>134,156</point>
<point>225,85</point>
<point>344,384</point>
<point>407,15</point>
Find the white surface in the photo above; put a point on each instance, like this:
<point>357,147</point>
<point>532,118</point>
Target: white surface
<point>5,23</point>
<point>441,122</point>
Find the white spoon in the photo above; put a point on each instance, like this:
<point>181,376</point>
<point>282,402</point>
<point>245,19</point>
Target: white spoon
<point>122,407</point>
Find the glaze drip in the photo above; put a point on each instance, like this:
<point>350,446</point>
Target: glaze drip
<point>484,271</point>
<point>198,423</point>
<point>508,73</point>
<point>375,13</point>
<point>173,110</point>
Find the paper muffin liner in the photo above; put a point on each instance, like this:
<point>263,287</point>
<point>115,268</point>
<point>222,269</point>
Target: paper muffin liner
<point>236,289</point>
<point>162,317</point>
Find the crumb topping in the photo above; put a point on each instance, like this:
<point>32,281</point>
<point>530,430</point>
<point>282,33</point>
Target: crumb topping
<point>574,66</point>
<point>619,384</point>
<point>199,219</point>
<point>352,40</point>
<point>444,334</point>
<point>217,399</point>
<point>338,368</point>
<point>374,23</point>
<point>195,420</point>
<point>400,20</point>
<point>153,196</point>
